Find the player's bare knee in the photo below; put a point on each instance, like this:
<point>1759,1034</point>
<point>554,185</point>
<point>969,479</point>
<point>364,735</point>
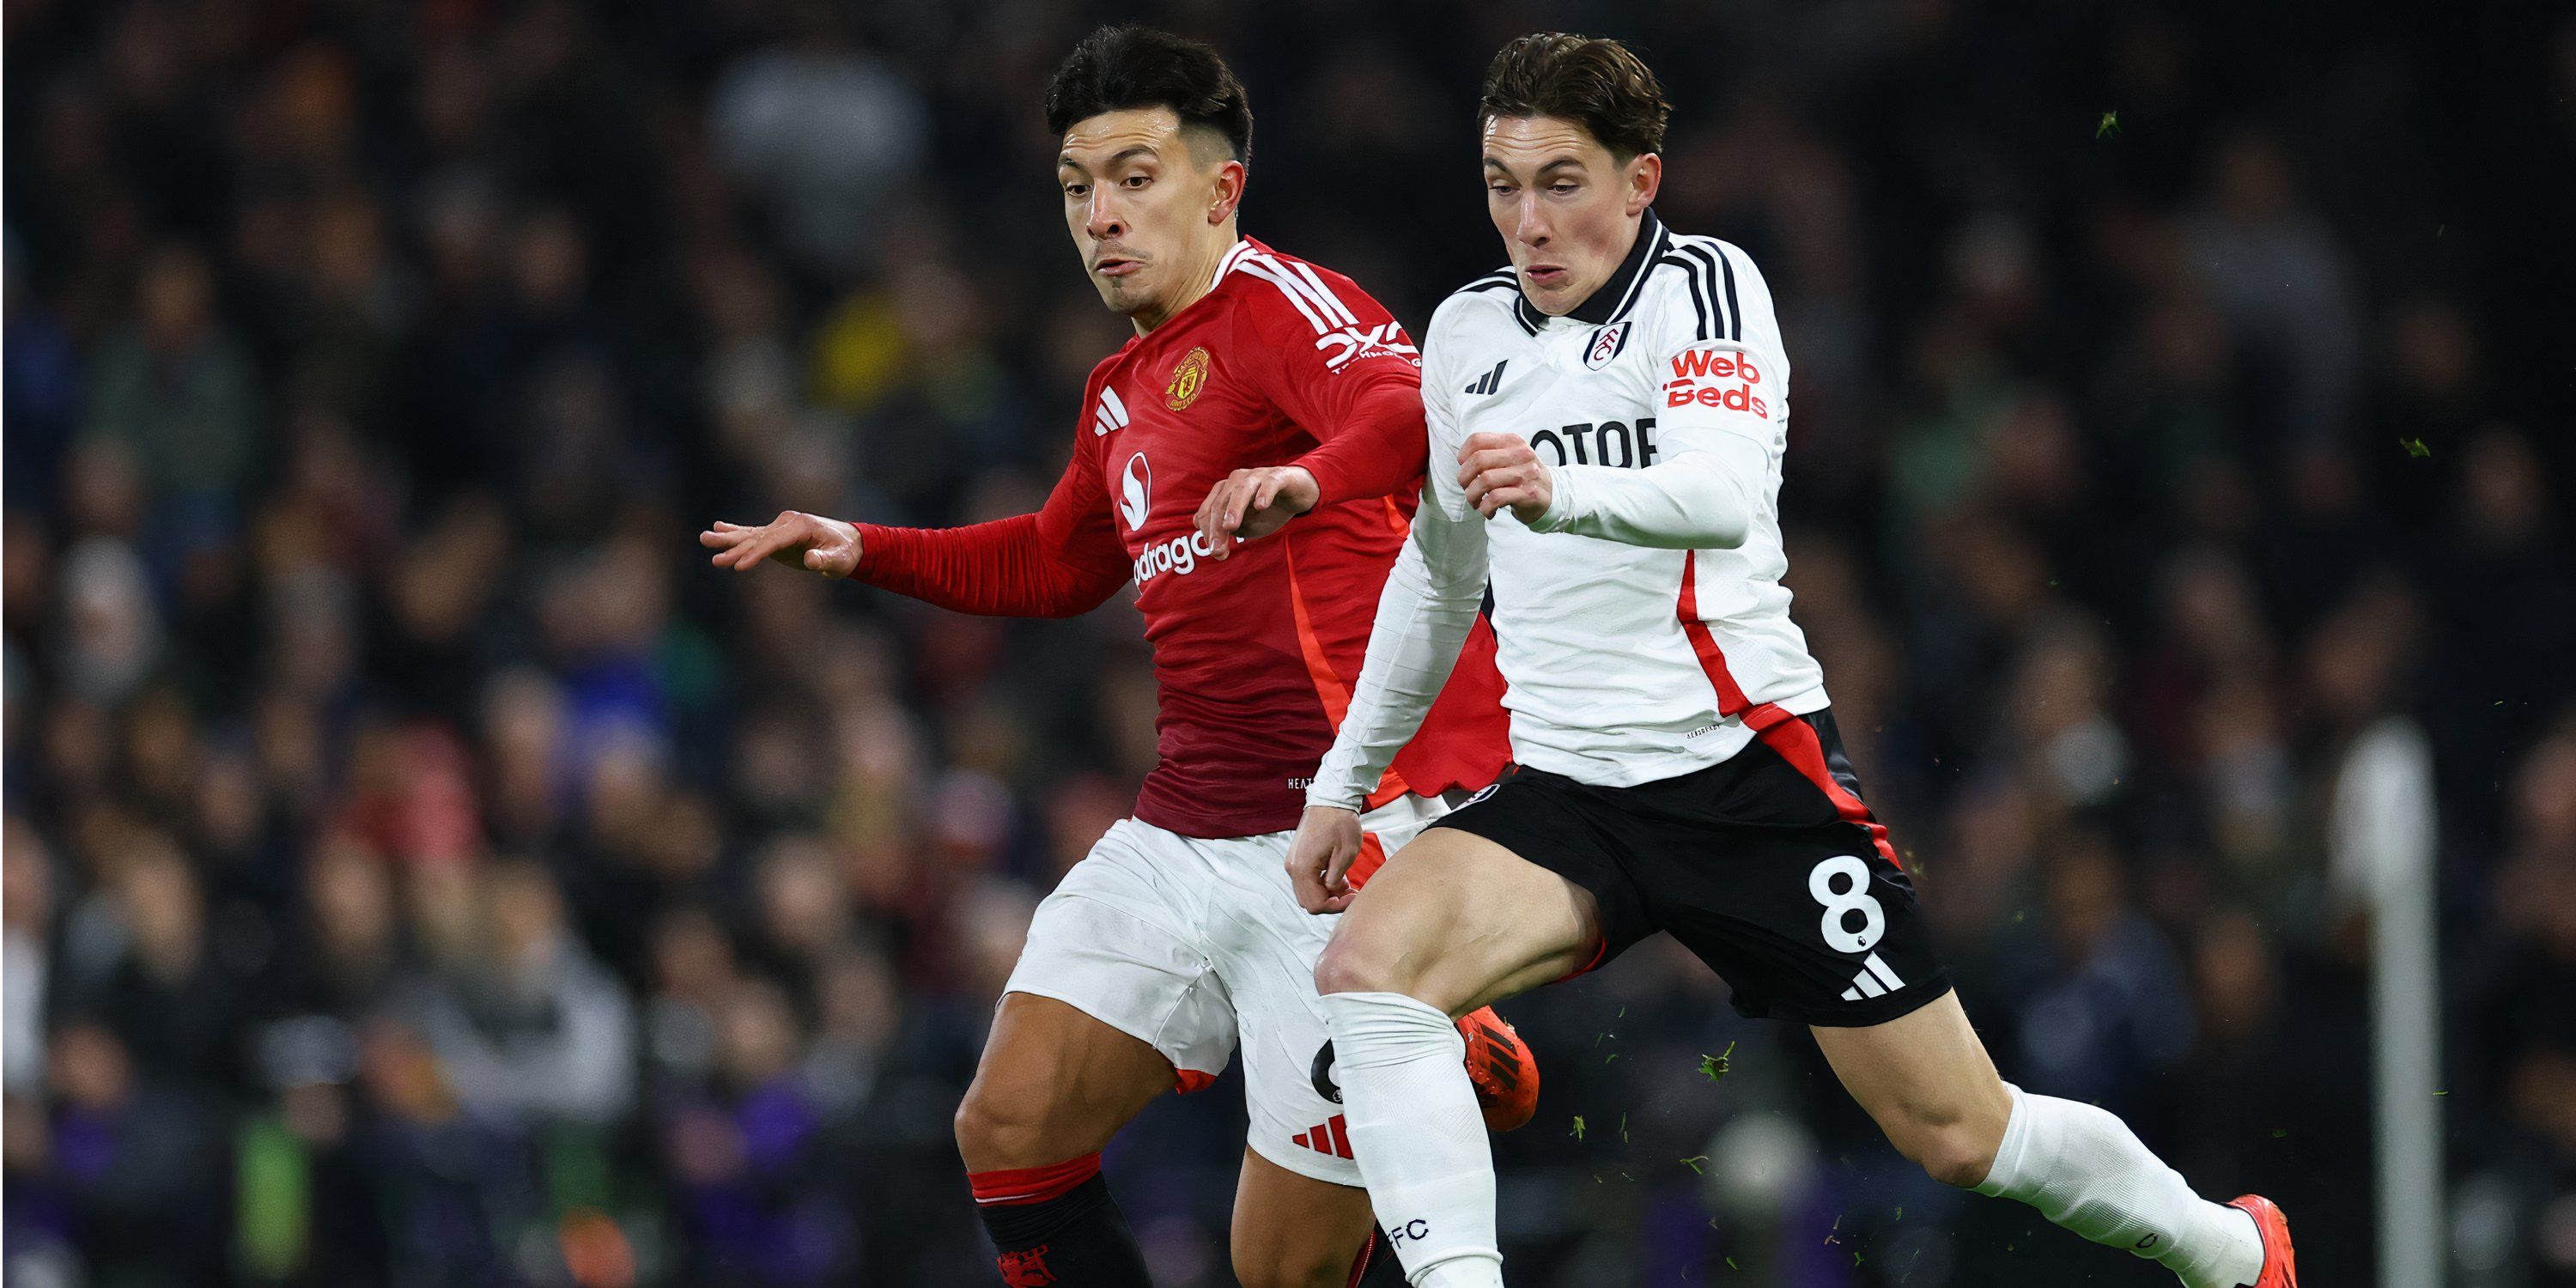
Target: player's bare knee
<point>1958,1167</point>
<point>1358,964</point>
<point>974,1125</point>
<point>1954,1153</point>
<point>1001,1130</point>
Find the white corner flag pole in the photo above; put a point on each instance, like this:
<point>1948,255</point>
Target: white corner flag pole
<point>2384,851</point>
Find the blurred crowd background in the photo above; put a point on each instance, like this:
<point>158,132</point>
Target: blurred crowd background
<point>421,869</point>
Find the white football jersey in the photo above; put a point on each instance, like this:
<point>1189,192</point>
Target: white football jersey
<point>1641,619</point>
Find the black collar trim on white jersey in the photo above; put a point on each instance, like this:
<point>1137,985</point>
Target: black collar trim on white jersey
<point>1616,296</point>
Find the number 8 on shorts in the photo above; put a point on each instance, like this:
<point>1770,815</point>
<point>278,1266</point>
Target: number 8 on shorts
<point>1851,896</point>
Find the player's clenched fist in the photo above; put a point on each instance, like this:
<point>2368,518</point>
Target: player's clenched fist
<point>1319,859</point>
<point>1251,504</point>
<point>795,538</point>
<point>1501,470</point>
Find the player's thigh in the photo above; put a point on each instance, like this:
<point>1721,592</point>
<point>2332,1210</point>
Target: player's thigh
<point>1926,1079</point>
<point>1113,1000</point>
<point>1460,921</point>
<point>1294,1231</point>
<point>1053,1083</point>
<point>1264,948</point>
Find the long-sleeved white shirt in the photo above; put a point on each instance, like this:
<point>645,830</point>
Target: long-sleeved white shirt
<point>1641,617</point>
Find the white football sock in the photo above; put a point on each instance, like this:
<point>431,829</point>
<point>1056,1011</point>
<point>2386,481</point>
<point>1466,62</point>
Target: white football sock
<point>2085,1170</point>
<point>1418,1135</point>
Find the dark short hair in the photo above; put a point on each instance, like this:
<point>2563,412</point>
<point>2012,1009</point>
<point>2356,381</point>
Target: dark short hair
<point>1597,82</point>
<point>1118,69</point>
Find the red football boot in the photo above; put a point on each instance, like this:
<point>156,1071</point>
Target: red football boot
<point>2280,1262</point>
<point>1505,1073</point>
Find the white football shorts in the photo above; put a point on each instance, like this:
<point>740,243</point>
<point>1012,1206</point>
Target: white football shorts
<point>1197,947</point>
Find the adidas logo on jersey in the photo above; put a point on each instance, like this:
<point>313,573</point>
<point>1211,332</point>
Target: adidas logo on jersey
<point>1110,414</point>
<point>1876,979</point>
<point>1490,381</point>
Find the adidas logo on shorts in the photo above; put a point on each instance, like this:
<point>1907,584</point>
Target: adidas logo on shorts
<point>1337,1144</point>
<point>1876,979</point>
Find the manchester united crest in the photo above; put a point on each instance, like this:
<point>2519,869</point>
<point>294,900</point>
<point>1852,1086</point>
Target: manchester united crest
<point>1187,379</point>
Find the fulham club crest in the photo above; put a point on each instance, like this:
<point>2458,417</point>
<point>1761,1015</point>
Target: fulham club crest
<point>1605,345</point>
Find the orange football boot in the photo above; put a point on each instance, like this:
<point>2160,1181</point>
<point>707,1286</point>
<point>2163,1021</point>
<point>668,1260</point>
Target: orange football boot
<point>2280,1262</point>
<point>1506,1074</point>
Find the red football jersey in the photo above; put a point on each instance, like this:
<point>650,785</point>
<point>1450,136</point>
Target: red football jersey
<point>1254,655</point>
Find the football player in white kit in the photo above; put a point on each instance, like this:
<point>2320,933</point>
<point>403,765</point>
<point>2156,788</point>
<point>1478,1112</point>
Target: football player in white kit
<point>1615,404</point>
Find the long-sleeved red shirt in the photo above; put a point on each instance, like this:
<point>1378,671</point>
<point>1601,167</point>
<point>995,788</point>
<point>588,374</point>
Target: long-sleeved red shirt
<point>1280,362</point>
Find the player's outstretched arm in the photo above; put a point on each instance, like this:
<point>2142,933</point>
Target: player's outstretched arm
<point>1061,561</point>
<point>1022,566</point>
<point>794,538</point>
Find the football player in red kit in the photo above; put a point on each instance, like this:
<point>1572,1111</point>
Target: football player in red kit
<point>1178,938</point>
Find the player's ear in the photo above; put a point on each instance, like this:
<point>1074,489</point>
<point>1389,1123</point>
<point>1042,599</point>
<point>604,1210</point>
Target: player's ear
<point>1645,177</point>
<point>1228,193</point>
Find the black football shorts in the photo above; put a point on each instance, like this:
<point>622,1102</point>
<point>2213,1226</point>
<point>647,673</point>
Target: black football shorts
<point>1767,865</point>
